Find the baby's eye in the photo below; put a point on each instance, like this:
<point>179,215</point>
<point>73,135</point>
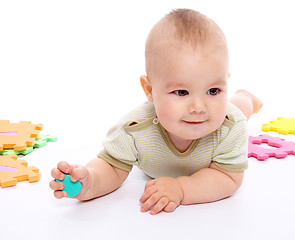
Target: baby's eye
<point>181,93</point>
<point>213,91</point>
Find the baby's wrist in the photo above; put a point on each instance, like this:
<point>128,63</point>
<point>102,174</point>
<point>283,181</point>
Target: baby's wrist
<point>182,182</point>
<point>180,188</point>
<point>85,193</point>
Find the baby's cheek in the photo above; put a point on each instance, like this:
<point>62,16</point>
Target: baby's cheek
<point>166,116</point>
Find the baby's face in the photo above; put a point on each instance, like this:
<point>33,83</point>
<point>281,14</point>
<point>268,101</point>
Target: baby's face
<point>189,91</point>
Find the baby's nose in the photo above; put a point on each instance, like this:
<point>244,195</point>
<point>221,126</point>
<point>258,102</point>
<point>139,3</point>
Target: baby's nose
<point>197,106</point>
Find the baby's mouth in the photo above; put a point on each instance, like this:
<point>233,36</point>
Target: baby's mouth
<point>194,122</point>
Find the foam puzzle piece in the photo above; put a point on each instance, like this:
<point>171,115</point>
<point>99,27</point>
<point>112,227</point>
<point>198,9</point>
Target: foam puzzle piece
<point>11,151</point>
<point>72,188</point>
<point>18,135</point>
<point>282,149</point>
<point>13,171</point>
<point>41,141</point>
<point>281,125</point>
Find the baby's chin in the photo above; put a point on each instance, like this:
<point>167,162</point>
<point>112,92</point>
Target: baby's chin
<point>193,135</point>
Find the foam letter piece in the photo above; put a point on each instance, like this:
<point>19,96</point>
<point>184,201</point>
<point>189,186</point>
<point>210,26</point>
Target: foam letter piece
<point>282,150</point>
<point>18,135</point>
<point>281,125</point>
<point>13,171</point>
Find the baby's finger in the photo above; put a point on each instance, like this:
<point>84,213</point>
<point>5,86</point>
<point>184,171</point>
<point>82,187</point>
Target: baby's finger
<point>79,173</point>
<point>60,194</point>
<point>160,205</point>
<point>147,194</point>
<point>64,167</point>
<point>150,202</point>
<point>149,184</point>
<point>56,185</point>
<point>170,207</point>
<point>56,173</point>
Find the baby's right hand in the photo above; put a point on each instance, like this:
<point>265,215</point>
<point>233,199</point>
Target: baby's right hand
<point>78,173</point>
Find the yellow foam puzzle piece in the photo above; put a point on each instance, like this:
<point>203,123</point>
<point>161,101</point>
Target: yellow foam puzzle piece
<point>13,171</point>
<point>281,125</point>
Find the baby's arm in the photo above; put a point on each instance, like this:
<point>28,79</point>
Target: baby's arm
<point>207,185</point>
<point>97,178</point>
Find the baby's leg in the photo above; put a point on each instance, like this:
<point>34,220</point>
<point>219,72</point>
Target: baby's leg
<point>246,102</point>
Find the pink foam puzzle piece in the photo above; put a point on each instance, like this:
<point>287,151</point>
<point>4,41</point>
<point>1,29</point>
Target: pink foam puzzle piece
<point>282,148</point>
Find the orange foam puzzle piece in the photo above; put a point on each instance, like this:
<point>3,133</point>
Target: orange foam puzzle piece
<point>13,171</point>
<point>18,135</point>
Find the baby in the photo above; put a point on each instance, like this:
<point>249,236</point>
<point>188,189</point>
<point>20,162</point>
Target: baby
<point>188,137</point>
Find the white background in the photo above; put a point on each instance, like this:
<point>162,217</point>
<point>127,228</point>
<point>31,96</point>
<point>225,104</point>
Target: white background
<point>75,65</point>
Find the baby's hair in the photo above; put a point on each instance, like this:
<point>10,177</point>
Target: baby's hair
<point>192,27</point>
<point>185,28</point>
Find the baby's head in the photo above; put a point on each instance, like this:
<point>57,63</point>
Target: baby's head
<point>187,71</point>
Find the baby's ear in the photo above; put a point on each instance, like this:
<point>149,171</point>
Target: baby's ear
<point>147,87</point>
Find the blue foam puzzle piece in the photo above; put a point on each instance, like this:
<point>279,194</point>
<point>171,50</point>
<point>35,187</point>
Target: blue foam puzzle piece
<point>72,188</point>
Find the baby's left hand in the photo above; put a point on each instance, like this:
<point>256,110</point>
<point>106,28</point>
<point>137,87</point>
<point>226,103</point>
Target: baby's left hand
<point>161,194</point>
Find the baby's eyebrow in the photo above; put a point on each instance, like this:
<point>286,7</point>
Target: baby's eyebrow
<point>174,85</point>
<point>219,82</point>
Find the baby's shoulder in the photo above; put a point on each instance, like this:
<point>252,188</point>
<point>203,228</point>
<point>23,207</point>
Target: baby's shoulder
<point>144,111</point>
<point>234,114</point>
<point>235,124</point>
<point>137,119</point>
